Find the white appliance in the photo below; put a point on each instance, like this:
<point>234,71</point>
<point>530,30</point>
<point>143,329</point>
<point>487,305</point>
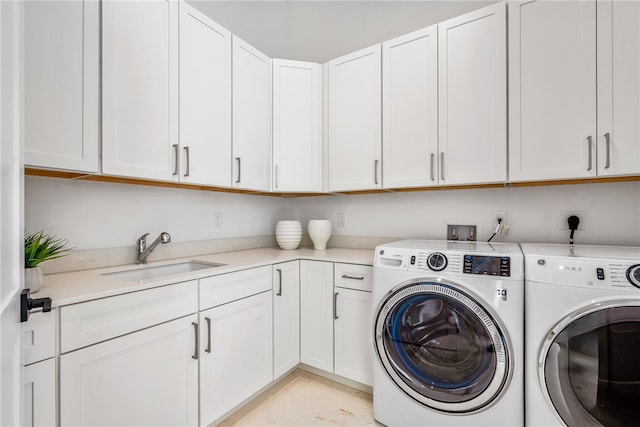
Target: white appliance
<point>448,343</point>
<point>582,335</point>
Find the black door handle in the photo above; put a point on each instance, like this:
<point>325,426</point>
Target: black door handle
<point>27,304</point>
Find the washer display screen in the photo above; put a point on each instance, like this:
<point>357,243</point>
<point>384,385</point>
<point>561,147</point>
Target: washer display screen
<point>487,265</point>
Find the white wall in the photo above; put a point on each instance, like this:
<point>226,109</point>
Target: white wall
<point>535,214</point>
<point>104,215</point>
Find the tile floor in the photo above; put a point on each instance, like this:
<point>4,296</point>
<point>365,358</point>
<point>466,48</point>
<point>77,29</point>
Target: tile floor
<point>305,399</point>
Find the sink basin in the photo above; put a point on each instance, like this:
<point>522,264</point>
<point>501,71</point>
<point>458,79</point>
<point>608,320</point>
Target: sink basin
<point>161,270</point>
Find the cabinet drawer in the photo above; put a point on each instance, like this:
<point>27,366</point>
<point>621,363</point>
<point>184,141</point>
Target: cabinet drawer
<point>217,290</point>
<point>39,337</point>
<point>353,276</point>
<point>90,322</point>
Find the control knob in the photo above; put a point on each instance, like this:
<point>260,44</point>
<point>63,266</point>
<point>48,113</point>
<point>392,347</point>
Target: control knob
<point>633,275</point>
<point>437,261</point>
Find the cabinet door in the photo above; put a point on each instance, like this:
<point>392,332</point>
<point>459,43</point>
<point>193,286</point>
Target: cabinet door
<point>236,357</point>
<point>251,117</point>
<point>61,84</point>
<point>316,314</point>
<point>140,89</point>
<point>618,87</point>
<point>296,126</point>
<point>355,139</point>
<point>205,99</point>
<point>472,97</point>
<point>286,317</point>
<point>353,335</point>
<point>552,90</point>
<point>39,402</point>
<point>410,109</point>
<point>145,378</point>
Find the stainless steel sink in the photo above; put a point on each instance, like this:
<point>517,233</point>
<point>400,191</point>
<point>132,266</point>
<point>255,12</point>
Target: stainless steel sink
<point>161,270</point>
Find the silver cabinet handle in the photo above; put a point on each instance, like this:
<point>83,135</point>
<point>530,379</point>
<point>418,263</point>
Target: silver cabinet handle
<point>276,176</point>
<point>433,157</point>
<point>197,331</point>
<point>208,320</point>
<point>177,152</point>
<point>346,276</point>
<point>442,165</point>
<point>590,144</point>
<point>279,281</point>
<point>607,138</point>
<point>239,170</point>
<point>186,152</point>
<point>335,305</point>
<point>375,171</point>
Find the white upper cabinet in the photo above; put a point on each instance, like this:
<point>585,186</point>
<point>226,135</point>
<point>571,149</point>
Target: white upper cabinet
<point>61,67</point>
<point>618,137</point>
<point>140,89</point>
<point>472,94</point>
<point>251,117</point>
<point>297,107</point>
<point>355,139</point>
<point>552,90</point>
<point>410,109</point>
<point>205,99</point>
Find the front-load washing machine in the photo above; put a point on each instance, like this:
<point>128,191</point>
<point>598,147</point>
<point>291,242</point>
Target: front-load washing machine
<point>448,334</point>
<point>582,360</point>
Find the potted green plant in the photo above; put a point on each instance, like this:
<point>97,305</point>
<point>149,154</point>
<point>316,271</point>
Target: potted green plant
<point>40,247</point>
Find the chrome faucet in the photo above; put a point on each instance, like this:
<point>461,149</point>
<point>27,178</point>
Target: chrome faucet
<point>144,251</point>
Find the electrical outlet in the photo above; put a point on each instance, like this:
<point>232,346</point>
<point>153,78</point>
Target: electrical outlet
<point>217,220</point>
<point>499,214</point>
<point>564,215</point>
<point>342,219</point>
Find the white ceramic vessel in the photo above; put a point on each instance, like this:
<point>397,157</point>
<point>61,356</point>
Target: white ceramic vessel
<point>319,232</point>
<point>288,234</point>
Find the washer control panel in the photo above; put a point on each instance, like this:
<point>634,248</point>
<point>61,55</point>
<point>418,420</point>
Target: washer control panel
<point>435,261</point>
<point>487,265</point>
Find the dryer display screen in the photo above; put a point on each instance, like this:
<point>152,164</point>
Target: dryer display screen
<point>487,265</point>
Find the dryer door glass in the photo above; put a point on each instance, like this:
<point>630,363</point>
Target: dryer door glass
<point>441,347</point>
<point>592,368</point>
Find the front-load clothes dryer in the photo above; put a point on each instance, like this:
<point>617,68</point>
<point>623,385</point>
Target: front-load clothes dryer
<point>448,334</point>
<point>582,360</point>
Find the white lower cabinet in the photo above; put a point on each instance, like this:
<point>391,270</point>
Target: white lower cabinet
<point>236,340</point>
<point>335,321</point>
<point>316,314</point>
<point>286,317</point>
<point>352,345</point>
<point>149,377</point>
<point>353,352</point>
<point>39,374</point>
<point>39,402</point>
<point>236,357</point>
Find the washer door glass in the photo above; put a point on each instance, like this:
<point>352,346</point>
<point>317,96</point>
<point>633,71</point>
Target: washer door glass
<point>441,347</point>
<point>592,368</point>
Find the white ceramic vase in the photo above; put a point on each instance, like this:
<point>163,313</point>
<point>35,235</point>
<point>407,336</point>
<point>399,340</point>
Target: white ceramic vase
<point>319,232</point>
<point>288,234</point>
<point>33,278</point>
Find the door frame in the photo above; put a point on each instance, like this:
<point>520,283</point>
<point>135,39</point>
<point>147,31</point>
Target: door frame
<point>11,212</point>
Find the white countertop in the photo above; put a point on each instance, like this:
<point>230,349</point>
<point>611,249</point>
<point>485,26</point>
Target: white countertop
<point>85,285</point>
